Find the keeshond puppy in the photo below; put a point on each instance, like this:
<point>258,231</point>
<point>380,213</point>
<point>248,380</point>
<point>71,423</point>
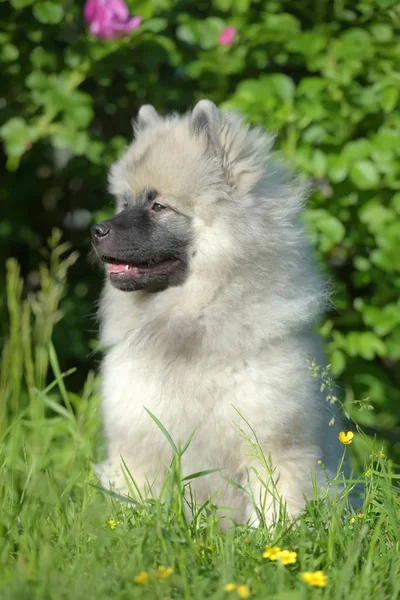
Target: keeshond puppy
<point>208,313</point>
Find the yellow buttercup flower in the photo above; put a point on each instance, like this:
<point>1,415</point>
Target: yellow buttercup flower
<point>317,579</point>
<point>143,577</point>
<point>112,524</point>
<point>359,515</point>
<point>379,455</point>
<point>346,438</point>
<point>286,557</point>
<point>271,552</point>
<point>164,572</point>
<point>243,591</point>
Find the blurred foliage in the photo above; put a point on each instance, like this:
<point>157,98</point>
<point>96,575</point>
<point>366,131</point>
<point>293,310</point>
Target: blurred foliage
<point>323,75</point>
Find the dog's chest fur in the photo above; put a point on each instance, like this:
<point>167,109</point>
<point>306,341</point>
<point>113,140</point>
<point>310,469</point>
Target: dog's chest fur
<point>203,393</point>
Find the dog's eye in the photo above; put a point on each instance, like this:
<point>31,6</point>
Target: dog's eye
<point>156,206</point>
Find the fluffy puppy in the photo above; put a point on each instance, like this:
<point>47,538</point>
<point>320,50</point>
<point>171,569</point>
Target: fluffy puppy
<point>209,305</point>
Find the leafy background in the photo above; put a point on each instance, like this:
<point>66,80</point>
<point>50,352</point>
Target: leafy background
<point>323,75</point>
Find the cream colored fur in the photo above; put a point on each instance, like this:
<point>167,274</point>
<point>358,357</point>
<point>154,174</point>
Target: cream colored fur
<point>237,333</point>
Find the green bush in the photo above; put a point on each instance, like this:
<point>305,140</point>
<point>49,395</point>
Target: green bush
<point>323,75</point>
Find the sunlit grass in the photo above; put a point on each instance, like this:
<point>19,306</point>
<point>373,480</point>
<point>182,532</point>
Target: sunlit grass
<point>64,537</point>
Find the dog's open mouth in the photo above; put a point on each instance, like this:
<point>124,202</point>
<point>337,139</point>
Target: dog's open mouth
<point>125,275</point>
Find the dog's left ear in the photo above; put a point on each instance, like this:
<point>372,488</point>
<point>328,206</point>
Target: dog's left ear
<point>147,117</point>
<point>205,121</point>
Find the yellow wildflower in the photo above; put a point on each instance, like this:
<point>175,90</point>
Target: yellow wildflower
<point>142,577</point>
<point>164,572</point>
<point>319,462</point>
<point>286,557</point>
<point>271,552</point>
<point>346,438</point>
<point>359,515</point>
<point>112,524</point>
<point>317,579</point>
<point>379,455</point>
<point>243,591</point>
<point>229,587</point>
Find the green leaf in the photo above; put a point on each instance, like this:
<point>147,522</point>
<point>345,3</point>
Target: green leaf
<point>67,137</point>
<point>37,80</point>
<point>319,163</point>
<point>155,25</point>
<point>9,53</point>
<point>282,27</point>
<point>365,344</point>
<point>337,168</point>
<point>80,116</point>
<point>356,149</point>
<point>389,98</point>
<point>328,229</point>
<point>362,264</point>
<point>21,3</point>
<point>17,136</point>
<point>202,32</point>
<point>395,202</point>
<point>223,5</point>
<point>241,6</point>
<point>40,58</point>
<point>283,86</point>
<point>364,174</point>
<point>337,361</point>
<point>375,215</point>
<point>48,12</point>
<point>382,32</point>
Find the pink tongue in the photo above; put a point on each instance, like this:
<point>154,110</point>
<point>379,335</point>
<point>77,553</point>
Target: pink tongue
<point>117,268</point>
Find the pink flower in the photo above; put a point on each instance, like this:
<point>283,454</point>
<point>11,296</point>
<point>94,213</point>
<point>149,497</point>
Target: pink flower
<point>109,18</point>
<point>226,36</point>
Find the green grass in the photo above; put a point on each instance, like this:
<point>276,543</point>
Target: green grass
<point>57,542</point>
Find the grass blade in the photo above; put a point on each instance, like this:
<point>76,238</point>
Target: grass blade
<point>116,496</point>
<point>200,474</point>
<point>164,431</point>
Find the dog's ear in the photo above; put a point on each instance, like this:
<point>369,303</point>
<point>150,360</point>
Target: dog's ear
<point>205,121</point>
<point>147,117</point>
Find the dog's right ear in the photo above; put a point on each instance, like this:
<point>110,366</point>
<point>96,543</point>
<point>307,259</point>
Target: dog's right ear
<point>147,117</point>
<point>205,121</point>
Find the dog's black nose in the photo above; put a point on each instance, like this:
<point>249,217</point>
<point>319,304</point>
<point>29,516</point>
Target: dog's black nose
<point>100,230</point>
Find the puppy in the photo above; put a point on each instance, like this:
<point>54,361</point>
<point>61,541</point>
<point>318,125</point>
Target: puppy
<point>208,313</point>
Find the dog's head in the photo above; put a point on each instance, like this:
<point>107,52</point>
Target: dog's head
<point>147,243</point>
<point>184,195</point>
